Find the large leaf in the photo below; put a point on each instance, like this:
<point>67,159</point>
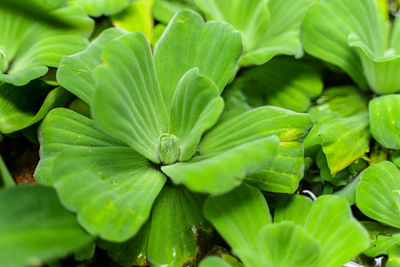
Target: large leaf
<point>285,171</point>
<point>357,42</point>
<point>25,44</point>
<point>178,229</point>
<point>378,193</point>
<point>217,173</point>
<point>269,28</point>
<point>282,82</point>
<point>340,127</point>
<point>23,106</point>
<point>35,227</point>
<point>62,130</point>
<point>116,196</point>
<point>287,244</point>
<point>96,8</point>
<point>238,216</point>
<point>76,71</point>
<point>127,103</point>
<point>188,42</point>
<point>196,107</point>
<point>340,235</point>
<point>385,121</point>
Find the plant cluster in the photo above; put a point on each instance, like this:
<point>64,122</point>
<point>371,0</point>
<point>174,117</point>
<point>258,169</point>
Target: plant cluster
<point>210,133</point>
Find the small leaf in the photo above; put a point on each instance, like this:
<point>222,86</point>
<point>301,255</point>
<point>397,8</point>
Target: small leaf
<point>62,130</point>
<point>295,208</point>
<point>385,121</point>
<point>382,238</point>
<point>282,82</point>
<point>238,216</point>
<point>24,48</point>
<point>213,261</point>
<point>341,121</point>
<point>178,228</point>
<point>6,180</point>
<point>376,193</point>
<point>340,235</point>
<point>96,8</point>
<point>23,106</point>
<point>35,227</point>
<point>116,196</point>
<point>127,103</point>
<point>76,71</point>
<point>216,58</point>
<point>164,10</point>
<point>287,244</point>
<point>196,107</point>
<point>217,173</point>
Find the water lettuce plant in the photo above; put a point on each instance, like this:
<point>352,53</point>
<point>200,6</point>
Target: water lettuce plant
<point>188,133</point>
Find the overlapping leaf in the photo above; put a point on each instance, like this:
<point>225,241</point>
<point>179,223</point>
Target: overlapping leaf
<point>385,121</point>
<point>35,227</point>
<point>358,42</point>
<point>164,10</point>
<point>378,193</point>
<point>383,238</point>
<point>282,82</point>
<point>188,42</point>
<point>23,106</point>
<point>286,169</point>
<point>269,28</point>
<point>25,44</point>
<point>76,71</point>
<point>341,127</point>
<point>328,228</point>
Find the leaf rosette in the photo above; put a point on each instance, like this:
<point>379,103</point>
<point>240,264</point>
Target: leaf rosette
<point>156,116</point>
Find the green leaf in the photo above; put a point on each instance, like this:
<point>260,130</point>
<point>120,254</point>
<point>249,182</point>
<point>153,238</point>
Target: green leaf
<point>349,191</point>
<point>287,244</point>
<point>132,252</point>
<point>128,86</point>
<point>217,173</point>
<point>341,127</point>
<point>238,216</point>
<point>24,46</point>
<point>164,10</point>
<point>394,256</point>
<point>213,261</point>
<point>97,8</point>
<point>6,180</point>
<point>62,130</point>
<point>396,158</point>
<point>196,107</point>
<point>282,82</point>
<point>377,193</point>
<point>115,198</point>
<point>295,208</point>
<point>35,227</point>
<point>23,106</point>
<point>137,17</point>
<point>384,120</point>
<point>382,238</point>
<point>178,228</point>
<point>76,72</point>
<point>341,178</point>
<point>340,235</point>
<point>285,171</point>
<point>357,42</point>
<point>215,57</point>
<point>269,28</point>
